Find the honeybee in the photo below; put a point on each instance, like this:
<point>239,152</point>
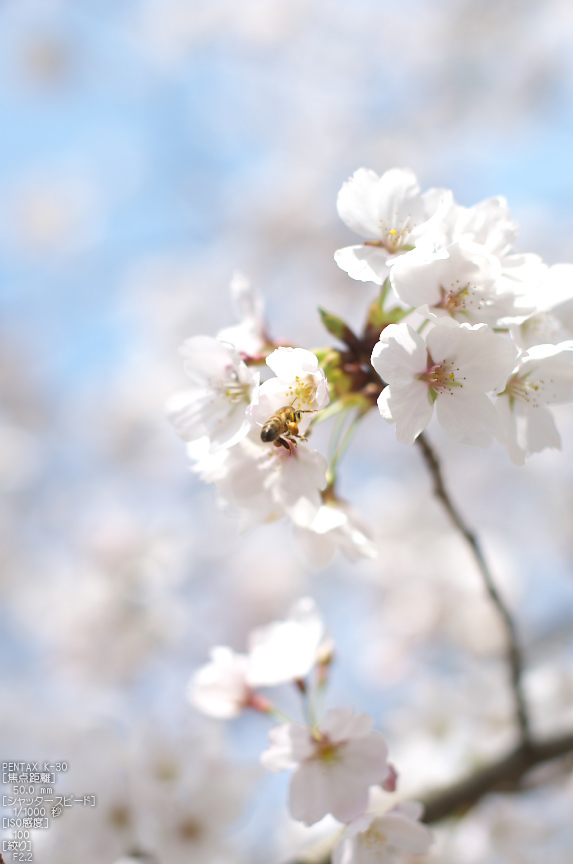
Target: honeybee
<point>282,427</point>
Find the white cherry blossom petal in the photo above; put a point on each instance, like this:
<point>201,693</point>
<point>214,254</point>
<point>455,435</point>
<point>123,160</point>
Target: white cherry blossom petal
<point>525,431</point>
<point>467,417</point>
<point>408,406</point>
<point>365,756</point>
<point>310,793</point>
<point>383,839</point>
<point>286,650</point>
<point>342,723</point>
<point>417,276</point>
<point>485,359</point>
<point>400,354</point>
<point>249,336</point>
<point>296,482</point>
<point>550,369</point>
<point>262,482</point>
<point>488,223</point>
<point>364,263</point>
<point>328,519</point>
<point>543,376</point>
<point>207,359</point>
<point>455,366</point>
<point>219,688</point>
<point>218,405</point>
<point>366,200</point>
<point>406,834</point>
<point>290,744</point>
<point>287,363</point>
<point>335,527</point>
<point>461,280</point>
<point>392,214</point>
<point>521,274</point>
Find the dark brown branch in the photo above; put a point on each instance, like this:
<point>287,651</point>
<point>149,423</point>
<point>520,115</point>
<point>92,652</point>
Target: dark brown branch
<point>505,775</point>
<point>514,658</point>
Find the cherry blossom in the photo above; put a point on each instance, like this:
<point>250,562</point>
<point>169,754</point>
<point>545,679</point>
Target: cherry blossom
<point>372,839</point>
<point>488,224</point>
<point>455,367</point>
<point>299,382</point>
<point>477,303</point>
<point>552,318</point>
<point>187,798</point>
<point>542,377</point>
<point>335,527</point>
<point>262,482</point>
<point>220,688</point>
<point>392,214</point>
<point>267,482</point>
<point>460,281</point>
<point>286,650</point>
<point>335,764</point>
<point>217,405</point>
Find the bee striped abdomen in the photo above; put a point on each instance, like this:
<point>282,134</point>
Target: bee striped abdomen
<point>271,430</point>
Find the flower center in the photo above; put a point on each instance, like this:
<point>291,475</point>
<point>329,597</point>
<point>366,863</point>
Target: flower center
<point>458,299</point>
<point>542,327</point>
<point>190,830</point>
<point>120,817</point>
<point>518,387</point>
<point>234,390</point>
<point>303,390</point>
<point>325,749</point>
<point>374,839</point>
<point>394,239</point>
<point>440,377</point>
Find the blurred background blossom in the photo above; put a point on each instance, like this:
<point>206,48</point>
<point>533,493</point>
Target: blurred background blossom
<point>149,149</point>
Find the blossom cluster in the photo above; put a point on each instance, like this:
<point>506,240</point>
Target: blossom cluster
<point>249,438</point>
<point>488,343</point>
<point>337,761</point>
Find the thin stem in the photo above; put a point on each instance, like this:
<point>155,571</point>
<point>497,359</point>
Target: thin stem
<point>514,658</point>
<point>335,436</point>
<point>304,692</point>
<point>342,445</point>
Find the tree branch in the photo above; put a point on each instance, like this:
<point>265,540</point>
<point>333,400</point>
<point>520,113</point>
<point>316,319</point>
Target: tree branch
<point>503,776</point>
<point>514,658</point>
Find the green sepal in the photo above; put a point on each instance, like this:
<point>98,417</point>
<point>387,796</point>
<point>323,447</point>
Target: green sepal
<point>379,318</point>
<point>339,382</point>
<point>338,328</point>
<point>323,354</point>
<point>397,314</point>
